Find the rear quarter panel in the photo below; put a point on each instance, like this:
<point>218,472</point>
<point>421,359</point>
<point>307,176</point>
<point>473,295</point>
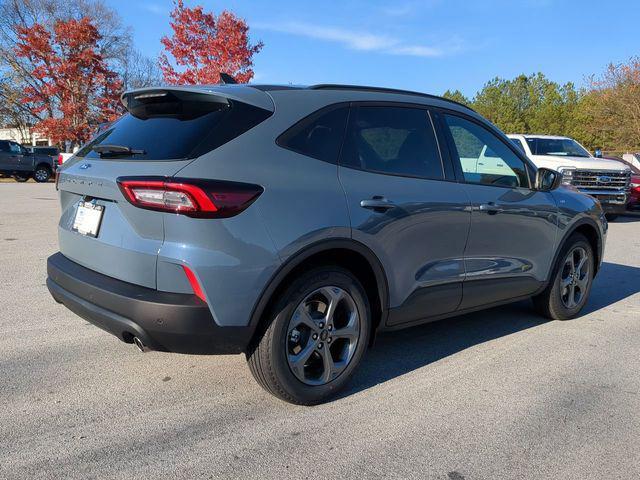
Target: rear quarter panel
<point>302,203</point>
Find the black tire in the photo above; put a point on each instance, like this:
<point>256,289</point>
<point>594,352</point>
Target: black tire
<point>553,302</point>
<point>611,217</point>
<point>268,358</point>
<point>42,174</point>
<point>21,177</point>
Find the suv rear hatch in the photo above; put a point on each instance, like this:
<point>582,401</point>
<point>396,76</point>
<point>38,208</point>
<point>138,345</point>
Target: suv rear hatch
<point>164,130</point>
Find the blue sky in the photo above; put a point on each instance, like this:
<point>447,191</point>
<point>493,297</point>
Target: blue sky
<point>428,45</point>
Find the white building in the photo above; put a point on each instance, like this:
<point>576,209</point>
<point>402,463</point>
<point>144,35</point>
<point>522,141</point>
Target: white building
<point>23,137</point>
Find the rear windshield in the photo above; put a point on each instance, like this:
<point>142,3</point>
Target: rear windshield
<point>172,128</point>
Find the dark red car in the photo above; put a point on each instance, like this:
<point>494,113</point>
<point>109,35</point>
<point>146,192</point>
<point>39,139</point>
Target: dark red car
<point>633,203</point>
<point>634,194</point>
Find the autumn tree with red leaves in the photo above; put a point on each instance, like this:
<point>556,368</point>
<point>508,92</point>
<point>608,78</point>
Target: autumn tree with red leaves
<point>73,90</point>
<point>203,46</point>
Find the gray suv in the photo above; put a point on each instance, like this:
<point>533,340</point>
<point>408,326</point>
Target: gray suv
<point>292,224</point>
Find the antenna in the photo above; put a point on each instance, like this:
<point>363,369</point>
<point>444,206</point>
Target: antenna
<point>226,79</point>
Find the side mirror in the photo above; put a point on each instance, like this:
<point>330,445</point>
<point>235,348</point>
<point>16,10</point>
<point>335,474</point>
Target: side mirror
<point>547,179</point>
<point>597,153</point>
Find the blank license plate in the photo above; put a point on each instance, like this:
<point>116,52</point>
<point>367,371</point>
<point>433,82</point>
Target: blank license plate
<point>88,218</point>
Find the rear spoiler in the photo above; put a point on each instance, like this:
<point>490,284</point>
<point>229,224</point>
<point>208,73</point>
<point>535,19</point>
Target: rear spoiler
<point>222,94</point>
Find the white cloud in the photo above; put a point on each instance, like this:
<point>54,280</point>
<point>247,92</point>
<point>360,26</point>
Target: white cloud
<point>399,9</point>
<point>416,51</point>
<point>354,40</point>
<point>155,8</point>
<point>351,39</point>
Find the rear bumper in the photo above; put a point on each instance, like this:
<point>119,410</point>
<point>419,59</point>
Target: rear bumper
<point>170,322</point>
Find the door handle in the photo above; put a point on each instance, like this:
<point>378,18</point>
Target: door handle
<point>377,204</point>
<point>489,208</point>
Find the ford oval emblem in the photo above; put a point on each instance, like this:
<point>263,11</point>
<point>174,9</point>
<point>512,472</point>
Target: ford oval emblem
<point>84,166</point>
<point>603,179</point>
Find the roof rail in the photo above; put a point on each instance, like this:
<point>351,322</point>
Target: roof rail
<point>337,86</point>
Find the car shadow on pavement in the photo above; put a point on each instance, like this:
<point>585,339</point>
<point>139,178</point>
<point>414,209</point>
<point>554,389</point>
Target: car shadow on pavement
<point>397,353</point>
<point>629,217</point>
<point>614,282</point>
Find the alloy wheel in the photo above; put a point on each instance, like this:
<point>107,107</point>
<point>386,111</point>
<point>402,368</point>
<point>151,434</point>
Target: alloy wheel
<point>575,278</point>
<point>41,175</point>
<point>322,335</point>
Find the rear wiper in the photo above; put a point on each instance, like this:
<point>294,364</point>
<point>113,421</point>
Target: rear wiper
<point>112,150</point>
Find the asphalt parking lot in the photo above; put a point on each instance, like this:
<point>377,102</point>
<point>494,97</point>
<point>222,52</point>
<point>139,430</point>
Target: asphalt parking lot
<point>497,394</point>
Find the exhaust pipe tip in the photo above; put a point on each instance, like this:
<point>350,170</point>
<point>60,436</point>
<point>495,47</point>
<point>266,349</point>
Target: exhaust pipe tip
<point>140,344</point>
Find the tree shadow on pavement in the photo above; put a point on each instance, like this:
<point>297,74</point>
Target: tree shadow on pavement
<point>397,353</point>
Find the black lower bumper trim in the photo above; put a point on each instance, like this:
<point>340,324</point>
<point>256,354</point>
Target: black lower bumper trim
<point>614,208</point>
<point>164,321</point>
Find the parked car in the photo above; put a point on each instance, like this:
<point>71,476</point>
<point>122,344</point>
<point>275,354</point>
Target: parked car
<point>294,223</point>
<point>17,161</point>
<point>633,162</point>
<point>634,194</point>
<point>632,159</point>
<point>606,180</point>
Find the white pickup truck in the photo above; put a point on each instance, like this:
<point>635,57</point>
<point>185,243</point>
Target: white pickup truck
<point>632,159</point>
<point>607,180</point>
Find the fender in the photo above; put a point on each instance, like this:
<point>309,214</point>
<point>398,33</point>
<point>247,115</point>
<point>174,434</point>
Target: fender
<point>308,251</point>
<point>570,230</point>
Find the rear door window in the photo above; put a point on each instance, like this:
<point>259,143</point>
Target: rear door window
<point>392,140</point>
<point>175,127</point>
<point>319,136</point>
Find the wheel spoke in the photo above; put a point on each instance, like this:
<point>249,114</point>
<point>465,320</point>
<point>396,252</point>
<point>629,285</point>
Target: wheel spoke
<point>333,296</point>
<point>564,283</point>
<point>583,282</point>
<point>298,361</point>
<point>572,263</point>
<point>571,299</point>
<point>327,365</point>
<point>302,317</point>
<point>349,331</point>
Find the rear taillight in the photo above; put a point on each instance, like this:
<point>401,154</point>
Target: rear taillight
<point>195,198</point>
<point>60,159</point>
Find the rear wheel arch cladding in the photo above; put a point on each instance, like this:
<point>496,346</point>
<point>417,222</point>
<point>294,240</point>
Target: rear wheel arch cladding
<point>327,253</point>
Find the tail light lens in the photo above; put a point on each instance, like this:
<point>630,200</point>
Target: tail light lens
<point>194,198</point>
<point>60,159</point>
